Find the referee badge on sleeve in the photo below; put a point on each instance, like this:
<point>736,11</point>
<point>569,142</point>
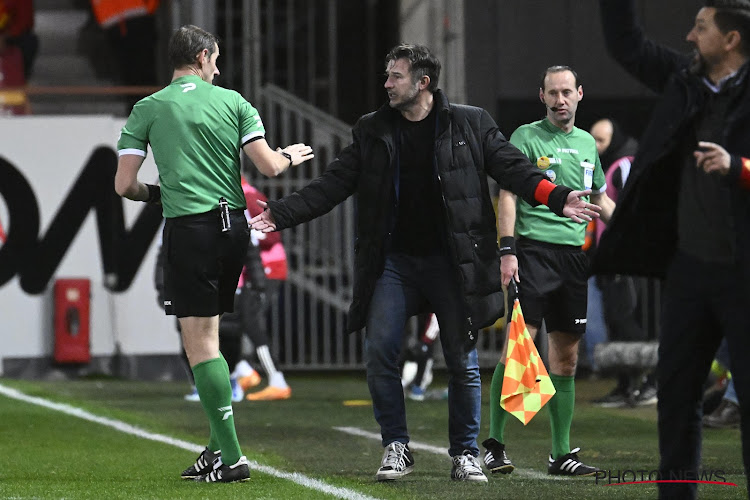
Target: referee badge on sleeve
<point>588,174</point>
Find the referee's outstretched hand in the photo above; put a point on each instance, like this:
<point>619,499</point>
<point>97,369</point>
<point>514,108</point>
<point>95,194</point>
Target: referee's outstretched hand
<point>263,222</point>
<point>578,210</point>
<point>299,153</point>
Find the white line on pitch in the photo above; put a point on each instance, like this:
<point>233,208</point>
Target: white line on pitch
<point>437,450</point>
<point>295,477</point>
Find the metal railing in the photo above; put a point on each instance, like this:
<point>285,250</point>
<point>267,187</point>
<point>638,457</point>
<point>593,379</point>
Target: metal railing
<point>308,321</point>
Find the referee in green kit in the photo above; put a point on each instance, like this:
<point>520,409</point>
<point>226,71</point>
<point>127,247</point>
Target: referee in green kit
<point>196,131</point>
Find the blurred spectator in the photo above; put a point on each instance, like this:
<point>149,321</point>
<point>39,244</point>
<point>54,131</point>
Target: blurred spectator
<point>417,357</point>
<point>130,27</point>
<point>13,100</point>
<point>262,283</point>
<point>611,142</point>
<point>16,27</point>
<point>617,294</point>
<point>727,413</point>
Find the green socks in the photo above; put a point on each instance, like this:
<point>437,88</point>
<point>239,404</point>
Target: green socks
<point>561,413</point>
<point>560,410</point>
<point>498,416</point>
<point>215,391</point>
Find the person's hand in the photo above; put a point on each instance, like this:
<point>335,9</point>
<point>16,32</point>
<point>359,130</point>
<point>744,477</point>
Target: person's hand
<point>712,158</point>
<point>300,153</point>
<point>263,222</point>
<point>578,210</point>
<point>509,268</point>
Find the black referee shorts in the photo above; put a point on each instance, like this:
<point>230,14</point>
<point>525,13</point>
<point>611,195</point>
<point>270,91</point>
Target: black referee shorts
<point>203,264</point>
<point>554,285</point>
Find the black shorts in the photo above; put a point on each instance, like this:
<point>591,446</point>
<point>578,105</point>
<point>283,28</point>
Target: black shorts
<point>203,264</point>
<point>554,285</point>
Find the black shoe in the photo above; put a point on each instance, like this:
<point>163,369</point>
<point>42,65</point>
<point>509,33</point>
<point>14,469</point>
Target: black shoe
<point>203,464</point>
<point>397,462</point>
<point>646,395</point>
<point>495,458</point>
<point>569,465</point>
<point>223,473</point>
<point>726,416</point>
<point>618,398</point>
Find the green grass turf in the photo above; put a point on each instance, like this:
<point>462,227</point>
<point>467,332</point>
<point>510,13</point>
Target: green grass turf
<point>51,455</point>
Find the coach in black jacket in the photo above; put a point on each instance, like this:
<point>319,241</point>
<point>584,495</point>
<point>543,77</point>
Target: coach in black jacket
<point>426,239</point>
<point>685,215</point>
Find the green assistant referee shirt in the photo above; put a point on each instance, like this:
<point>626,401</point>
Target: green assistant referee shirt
<point>568,159</point>
<point>195,130</point>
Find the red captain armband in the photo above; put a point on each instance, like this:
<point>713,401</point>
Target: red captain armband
<point>745,174</point>
<point>543,190</point>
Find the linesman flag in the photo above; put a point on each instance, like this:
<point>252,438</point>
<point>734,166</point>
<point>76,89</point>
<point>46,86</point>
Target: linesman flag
<point>526,384</point>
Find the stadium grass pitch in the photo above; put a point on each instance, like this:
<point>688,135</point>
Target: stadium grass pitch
<point>332,448</point>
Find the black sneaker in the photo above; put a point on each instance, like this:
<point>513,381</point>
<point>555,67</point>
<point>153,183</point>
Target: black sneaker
<point>495,458</point>
<point>223,473</point>
<point>646,396</point>
<point>203,464</point>
<point>397,462</point>
<point>726,416</point>
<point>569,465</point>
<point>618,398</point>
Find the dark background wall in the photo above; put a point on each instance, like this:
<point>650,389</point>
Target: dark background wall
<point>509,43</point>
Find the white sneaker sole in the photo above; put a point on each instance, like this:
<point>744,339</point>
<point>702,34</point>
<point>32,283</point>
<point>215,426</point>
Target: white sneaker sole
<point>390,475</point>
<point>471,479</point>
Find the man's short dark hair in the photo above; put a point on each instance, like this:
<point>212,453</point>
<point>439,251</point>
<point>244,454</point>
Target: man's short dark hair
<point>423,62</point>
<point>187,42</point>
<point>558,69</point>
<point>733,15</point>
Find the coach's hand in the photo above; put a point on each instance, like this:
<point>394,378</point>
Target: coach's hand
<point>263,222</point>
<point>578,210</point>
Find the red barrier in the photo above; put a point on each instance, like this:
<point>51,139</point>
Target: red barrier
<point>72,301</point>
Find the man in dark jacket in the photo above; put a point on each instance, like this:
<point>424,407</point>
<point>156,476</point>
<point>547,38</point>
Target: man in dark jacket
<point>685,215</point>
<point>426,239</point>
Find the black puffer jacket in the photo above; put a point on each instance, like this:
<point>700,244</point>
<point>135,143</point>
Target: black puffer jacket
<point>641,238</point>
<point>468,147</point>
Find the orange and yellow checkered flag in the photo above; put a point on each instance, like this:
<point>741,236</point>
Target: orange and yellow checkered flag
<point>526,384</point>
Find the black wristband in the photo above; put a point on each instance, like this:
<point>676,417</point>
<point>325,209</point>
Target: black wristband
<point>507,245</point>
<point>154,194</point>
<point>288,157</point>
<point>557,199</point>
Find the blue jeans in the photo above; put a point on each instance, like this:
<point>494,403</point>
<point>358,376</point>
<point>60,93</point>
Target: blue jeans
<point>401,292</point>
<point>596,328</point>
<point>731,392</point>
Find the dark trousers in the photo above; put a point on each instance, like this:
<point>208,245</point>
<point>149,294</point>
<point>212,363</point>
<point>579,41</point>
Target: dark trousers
<point>703,302</point>
<point>407,283</point>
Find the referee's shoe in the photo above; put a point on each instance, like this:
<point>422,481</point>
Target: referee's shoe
<point>495,458</point>
<point>570,465</point>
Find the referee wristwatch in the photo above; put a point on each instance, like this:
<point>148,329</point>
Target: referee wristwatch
<point>287,156</point>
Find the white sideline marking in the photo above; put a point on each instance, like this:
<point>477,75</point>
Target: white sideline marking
<point>415,445</point>
<point>295,477</point>
<point>412,444</point>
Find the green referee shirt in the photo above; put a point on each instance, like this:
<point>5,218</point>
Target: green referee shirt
<point>195,130</point>
<point>568,159</point>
